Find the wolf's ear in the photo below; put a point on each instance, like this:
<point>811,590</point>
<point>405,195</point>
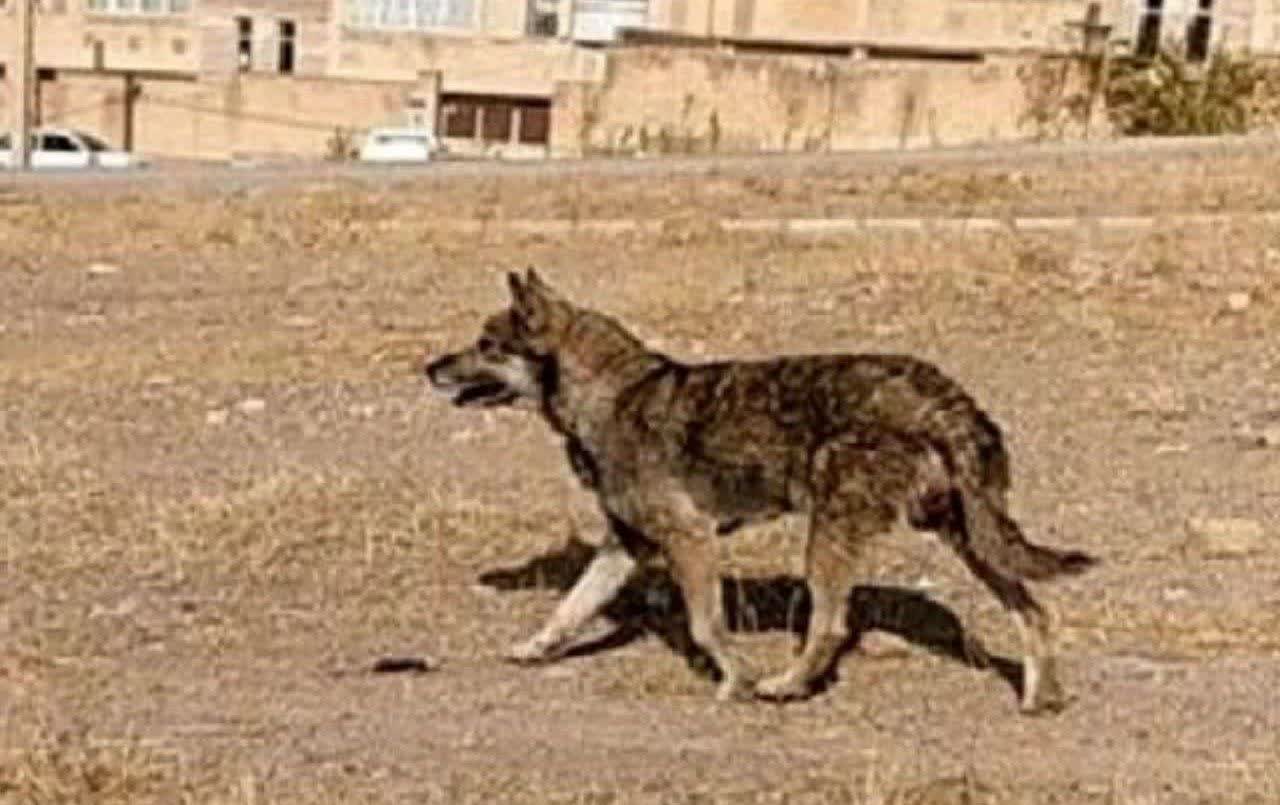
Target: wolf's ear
<point>531,299</point>
<point>518,291</point>
<point>535,281</point>
<point>535,284</point>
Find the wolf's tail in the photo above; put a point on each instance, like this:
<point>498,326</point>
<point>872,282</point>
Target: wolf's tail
<point>973,453</point>
<point>997,540</point>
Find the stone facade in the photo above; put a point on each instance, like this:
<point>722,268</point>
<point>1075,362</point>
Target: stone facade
<point>507,78</point>
<point>1000,24</point>
<point>1252,25</point>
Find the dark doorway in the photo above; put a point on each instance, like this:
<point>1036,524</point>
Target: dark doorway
<point>1148,43</point>
<point>287,35</point>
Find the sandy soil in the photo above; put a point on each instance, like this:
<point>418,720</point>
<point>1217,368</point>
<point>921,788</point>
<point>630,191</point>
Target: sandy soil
<point>225,494</point>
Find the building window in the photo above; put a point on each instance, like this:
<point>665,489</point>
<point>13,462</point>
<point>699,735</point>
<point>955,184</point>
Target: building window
<point>1148,43</point>
<point>535,123</point>
<point>459,116</point>
<point>547,25</point>
<point>1200,31</point>
<point>244,44</point>
<point>496,120</point>
<point>544,18</point>
<point>411,14</point>
<point>145,7</point>
<point>288,32</point>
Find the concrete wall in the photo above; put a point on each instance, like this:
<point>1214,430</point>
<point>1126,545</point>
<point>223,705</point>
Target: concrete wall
<point>954,23</point>
<point>974,23</point>
<point>254,115</point>
<point>485,66</point>
<point>1239,24</point>
<point>999,24</point>
<point>92,103</point>
<point>662,100</point>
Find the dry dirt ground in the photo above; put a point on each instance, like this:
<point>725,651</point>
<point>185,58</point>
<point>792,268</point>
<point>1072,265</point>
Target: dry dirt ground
<point>225,494</point>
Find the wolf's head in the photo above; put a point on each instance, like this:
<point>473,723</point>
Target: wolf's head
<point>513,358</point>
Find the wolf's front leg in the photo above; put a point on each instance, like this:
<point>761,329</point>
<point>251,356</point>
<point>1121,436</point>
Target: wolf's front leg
<point>610,569</point>
<point>665,510</point>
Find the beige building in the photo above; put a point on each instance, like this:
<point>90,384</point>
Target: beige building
<point>208,78</point>
<point>1252,25</point>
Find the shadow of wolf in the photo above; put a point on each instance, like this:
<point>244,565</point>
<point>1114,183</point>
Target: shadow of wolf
<point>651,604</point>
<point>680,454</point>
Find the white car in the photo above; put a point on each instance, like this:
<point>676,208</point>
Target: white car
<point>399,145</point>
<point>68,149</point>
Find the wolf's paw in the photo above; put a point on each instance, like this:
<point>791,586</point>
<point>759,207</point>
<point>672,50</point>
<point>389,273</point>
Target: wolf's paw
<point>736,687</point>
<point>1045,704</point>
<point>782,687</point>
<point>528,652</point>
<point>1048,698</point>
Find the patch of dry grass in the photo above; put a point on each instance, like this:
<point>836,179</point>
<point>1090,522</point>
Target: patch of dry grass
<point>76,768</point>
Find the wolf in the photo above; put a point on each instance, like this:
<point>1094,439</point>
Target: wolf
<point>679,454</point>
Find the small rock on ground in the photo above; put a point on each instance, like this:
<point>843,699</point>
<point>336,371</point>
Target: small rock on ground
<point>216,417</point>
<point>298,322</point>
<point>1238,302</point>
<point>253,405</point>
<point>1225,537</point>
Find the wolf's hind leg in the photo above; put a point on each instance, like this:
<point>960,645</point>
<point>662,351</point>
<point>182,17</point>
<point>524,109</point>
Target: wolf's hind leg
<point>609,570</point>
<point>831,576</point>
<point>1041,691</point>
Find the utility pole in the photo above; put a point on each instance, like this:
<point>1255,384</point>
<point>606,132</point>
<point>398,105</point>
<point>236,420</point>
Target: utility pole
<point>22,75</point>
<point>1096,54</point>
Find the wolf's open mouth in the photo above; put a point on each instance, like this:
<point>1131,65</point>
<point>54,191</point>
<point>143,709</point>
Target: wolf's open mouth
<point>484,394</point>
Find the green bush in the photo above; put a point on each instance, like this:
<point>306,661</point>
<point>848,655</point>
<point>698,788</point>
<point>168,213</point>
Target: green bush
<point>1168,95</point>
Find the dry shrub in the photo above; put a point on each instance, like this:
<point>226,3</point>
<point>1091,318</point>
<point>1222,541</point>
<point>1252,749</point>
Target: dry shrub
<point>1169,95</point>
<point>341,145</point>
